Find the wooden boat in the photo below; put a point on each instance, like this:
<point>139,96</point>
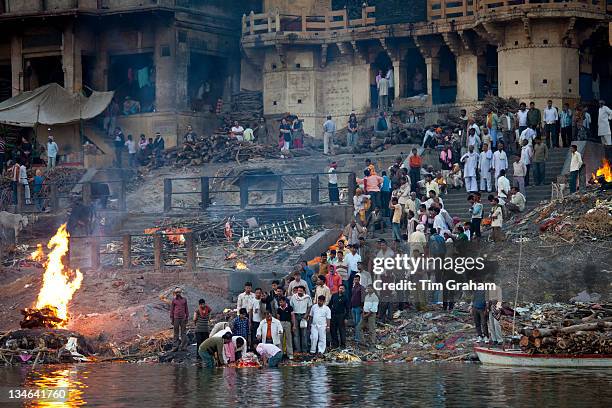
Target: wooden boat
<point>522,359</point>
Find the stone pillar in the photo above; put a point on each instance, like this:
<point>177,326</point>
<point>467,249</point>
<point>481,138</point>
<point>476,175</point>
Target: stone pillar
<point>182,61</point>
<point>400,77</point>
<point>165,68</point>
<point>468,68</point>
<point>16,65</point>
<point>433,78</point>
<point>71,59</point>
<point>167,195</point>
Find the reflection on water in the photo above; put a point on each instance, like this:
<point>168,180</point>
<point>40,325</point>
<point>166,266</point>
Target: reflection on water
<point>428,385</point>
<point>70,379</point>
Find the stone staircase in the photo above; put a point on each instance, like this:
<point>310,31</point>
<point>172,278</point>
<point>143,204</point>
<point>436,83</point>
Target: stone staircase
<point>456,203</point>
<point>104,142</point>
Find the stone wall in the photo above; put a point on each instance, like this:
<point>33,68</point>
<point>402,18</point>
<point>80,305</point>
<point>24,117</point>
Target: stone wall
<point>312,91</point>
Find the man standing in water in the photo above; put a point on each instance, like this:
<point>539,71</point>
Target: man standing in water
<point>211,351</point>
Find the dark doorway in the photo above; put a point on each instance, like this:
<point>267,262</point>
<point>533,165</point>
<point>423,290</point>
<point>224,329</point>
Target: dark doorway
<point>88,64</point>
<point>5,82</point>
<point>42,71</point>
<point>207,80</point>
<point>416,73</point>
<point>381,65</point>
<point>448,78</point>
<point>487,82</point>
<point>133,76</point>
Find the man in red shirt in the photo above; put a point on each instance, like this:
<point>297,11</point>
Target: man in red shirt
<point>415,162</point>
<point>178,316</point>
<point>333,279</point>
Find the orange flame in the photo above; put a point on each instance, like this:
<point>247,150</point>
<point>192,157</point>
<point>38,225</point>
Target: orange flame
<point>38,255</point>
<point>176,236</point>
<point>604,171</point>
<point>241,265</point>
<point>59,281</point>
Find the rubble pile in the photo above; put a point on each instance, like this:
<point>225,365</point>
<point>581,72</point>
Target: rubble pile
<point>584,329</point>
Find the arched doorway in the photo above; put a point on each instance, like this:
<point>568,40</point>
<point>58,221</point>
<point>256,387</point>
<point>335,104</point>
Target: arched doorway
<point>447,92</point>
<point>416,74</point>
<point>382,63</point>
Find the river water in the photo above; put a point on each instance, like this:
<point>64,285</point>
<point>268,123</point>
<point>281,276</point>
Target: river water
<point>367,385</point>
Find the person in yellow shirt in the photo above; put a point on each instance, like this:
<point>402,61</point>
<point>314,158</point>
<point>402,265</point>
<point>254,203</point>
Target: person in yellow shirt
<point>396,219</point>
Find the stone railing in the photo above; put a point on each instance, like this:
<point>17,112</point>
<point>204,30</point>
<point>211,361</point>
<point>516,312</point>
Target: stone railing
<point>335,20</point>
<point>466,9</point>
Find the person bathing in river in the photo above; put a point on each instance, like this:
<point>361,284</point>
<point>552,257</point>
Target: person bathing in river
<point>211,351</point>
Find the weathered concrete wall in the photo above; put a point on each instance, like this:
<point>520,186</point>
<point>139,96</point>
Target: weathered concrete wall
<point>541,69</point>
<point>311,90</point>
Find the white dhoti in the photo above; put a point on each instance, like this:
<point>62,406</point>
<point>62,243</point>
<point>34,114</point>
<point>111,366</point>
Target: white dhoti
<point>471,184</point>
<point>485,181</point>
<point>317,337</point>
<point>328,140</point>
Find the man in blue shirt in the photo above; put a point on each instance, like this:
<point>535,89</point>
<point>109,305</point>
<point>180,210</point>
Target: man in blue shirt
<point>385,193</point>
<point>306,274</point>
<point>478,309</point>
<point>329,129</point>
<point>475,214</point>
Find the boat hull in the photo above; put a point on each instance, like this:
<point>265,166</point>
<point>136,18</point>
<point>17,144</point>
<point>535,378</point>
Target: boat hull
<point>522,359</point>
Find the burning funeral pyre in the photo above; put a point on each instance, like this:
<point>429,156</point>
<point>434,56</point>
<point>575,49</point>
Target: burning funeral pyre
<point>59,284</point>
<point>603,175</point>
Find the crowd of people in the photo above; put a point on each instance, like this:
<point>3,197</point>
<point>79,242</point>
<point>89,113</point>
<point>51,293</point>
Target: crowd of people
<point>22,158</point>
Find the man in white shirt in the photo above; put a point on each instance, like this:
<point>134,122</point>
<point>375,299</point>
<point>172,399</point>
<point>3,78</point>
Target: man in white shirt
<point>270,354</point>
<point>473,139</point>
<point>517,201</point>
<point>429,135</point>
<point>521,116</point>
<point>575,166</point>
<point>603,124</point>
<point>439,222</point>
<point>368,319</point>
<point>503,187</point>
<point>486,166</point>
<point>237,131</point>
<point>470,162</point>
<point>383,93</point>
<point>518,174</point>
<point>320,316</point>
<point>301,303</point>
<point>528,134</point>
<point>391,80</point>
<point>526,158</point>
<point>551,116</point>
<point>500,161</point>
<point>352,261</point>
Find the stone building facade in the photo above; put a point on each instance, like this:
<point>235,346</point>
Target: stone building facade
<point>320,57</point>
<point>176,57</point>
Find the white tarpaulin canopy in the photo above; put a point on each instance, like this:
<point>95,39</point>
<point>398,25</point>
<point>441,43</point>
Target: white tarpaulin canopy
<point>52,105</point>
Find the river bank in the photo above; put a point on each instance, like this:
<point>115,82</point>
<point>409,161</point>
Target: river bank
<point>433,335</point>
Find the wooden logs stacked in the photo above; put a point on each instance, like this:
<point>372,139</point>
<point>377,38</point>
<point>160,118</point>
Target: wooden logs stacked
<point>593,337</point>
